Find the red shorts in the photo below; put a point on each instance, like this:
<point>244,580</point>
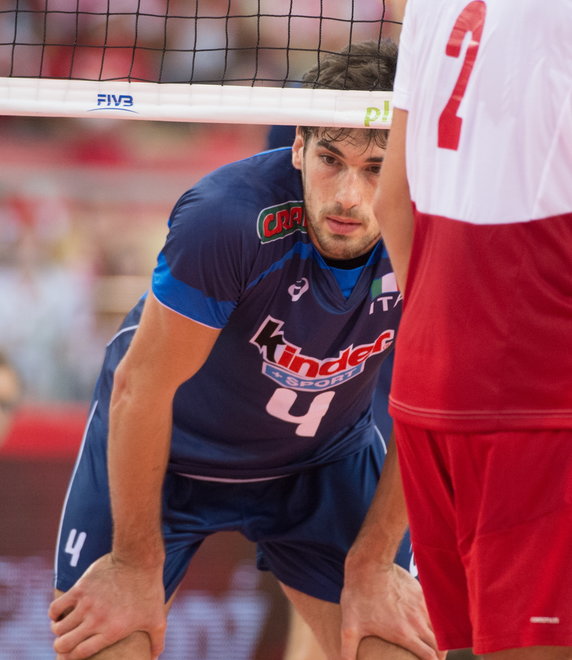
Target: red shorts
<point>491,527</point>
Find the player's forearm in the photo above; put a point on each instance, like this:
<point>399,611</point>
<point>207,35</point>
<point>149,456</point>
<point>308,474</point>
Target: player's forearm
<point>386,521</point>
<point>392,201</point>
<point>140,431</point>
<point>397,232</point>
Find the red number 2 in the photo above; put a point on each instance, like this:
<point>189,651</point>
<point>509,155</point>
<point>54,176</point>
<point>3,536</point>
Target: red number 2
<point>471,19</point>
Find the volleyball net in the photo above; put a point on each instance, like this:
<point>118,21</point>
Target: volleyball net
<point>230,61</point>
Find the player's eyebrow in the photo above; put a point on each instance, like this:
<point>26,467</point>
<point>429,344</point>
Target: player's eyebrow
<point>327,144</point>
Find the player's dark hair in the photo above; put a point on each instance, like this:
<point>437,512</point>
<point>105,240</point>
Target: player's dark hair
<point>365,66</point>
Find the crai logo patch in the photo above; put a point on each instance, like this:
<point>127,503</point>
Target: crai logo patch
<point>278,221</point>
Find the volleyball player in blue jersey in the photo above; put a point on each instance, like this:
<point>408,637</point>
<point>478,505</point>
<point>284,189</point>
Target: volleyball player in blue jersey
<point>237,396</point>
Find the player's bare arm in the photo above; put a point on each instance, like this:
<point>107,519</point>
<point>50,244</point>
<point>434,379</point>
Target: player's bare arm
<point>123,591</point>
<point>381,599</point>
<point>392,202</point>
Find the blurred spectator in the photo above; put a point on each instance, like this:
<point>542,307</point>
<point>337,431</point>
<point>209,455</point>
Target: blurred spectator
<point>10,394</point>
<point>195,49</point>
<point>179,41</point>
<point>22,30</point>
<point>45,311</point>
<point>106,39</point>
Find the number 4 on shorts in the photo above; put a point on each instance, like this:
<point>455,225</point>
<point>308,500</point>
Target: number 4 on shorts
<point>74,545</point>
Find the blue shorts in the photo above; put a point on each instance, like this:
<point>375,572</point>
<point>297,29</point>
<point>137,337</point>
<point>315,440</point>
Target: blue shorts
<point>302,524</point>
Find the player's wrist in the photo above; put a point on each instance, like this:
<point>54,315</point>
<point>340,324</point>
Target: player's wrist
<point>367,558</point>
<point>375,549</point>
<point>148,558</point>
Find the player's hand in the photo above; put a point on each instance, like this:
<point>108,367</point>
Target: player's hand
<point>387,602</point>
<point>109,602</point>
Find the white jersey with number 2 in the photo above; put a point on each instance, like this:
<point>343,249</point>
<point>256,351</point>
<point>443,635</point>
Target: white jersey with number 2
<point>486,338</point>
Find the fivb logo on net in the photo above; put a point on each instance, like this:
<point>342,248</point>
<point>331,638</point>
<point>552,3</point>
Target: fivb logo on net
<point>115,101</point>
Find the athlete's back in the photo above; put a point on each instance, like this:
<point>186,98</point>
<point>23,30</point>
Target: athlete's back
<point>488,313</point>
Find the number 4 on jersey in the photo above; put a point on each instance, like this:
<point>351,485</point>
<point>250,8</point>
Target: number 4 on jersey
<point>471,19</point>
<point>74,544</point>
<point>282,401</point>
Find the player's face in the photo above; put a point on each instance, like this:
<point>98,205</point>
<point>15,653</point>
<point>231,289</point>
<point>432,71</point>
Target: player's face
<point>340,178</point>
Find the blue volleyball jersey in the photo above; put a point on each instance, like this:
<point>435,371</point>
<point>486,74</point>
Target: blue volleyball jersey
<point>289,382</point>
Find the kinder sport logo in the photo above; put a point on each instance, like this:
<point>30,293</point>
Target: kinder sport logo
<point>286,365</point>
<point>275,222</point>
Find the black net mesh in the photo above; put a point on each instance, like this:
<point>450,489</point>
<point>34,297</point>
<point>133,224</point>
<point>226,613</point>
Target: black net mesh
<point>238,42</point>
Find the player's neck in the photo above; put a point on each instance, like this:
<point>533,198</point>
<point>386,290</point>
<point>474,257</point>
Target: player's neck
<point>348,264</point>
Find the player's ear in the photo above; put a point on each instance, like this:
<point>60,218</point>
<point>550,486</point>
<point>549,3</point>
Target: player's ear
<point>298,149</point>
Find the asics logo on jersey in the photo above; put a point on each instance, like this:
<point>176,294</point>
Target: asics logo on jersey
<point>298,289</point>
<point>285,363</point>
<point>275,222</point>
<point>384,293</point>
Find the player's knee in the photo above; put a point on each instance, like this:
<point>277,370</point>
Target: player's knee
<point>135,647</point>
<point>375,648</point>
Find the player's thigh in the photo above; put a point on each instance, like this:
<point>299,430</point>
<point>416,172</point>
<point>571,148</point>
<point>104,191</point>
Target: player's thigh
<point>322,617</point>
<point>315,516</point>
<point>134,647</point>
<point>374,648</point>
<point>532,653</point>
<point>86,528</point>
<point>324,620</point>
<point>301,643</point>
<point>463,654</point>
